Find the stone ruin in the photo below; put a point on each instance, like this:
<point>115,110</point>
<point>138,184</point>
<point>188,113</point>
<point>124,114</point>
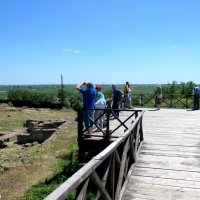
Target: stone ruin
<point>6,137</point>
<point>36,131</point>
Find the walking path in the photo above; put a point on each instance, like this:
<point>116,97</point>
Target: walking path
<point>168,166</point>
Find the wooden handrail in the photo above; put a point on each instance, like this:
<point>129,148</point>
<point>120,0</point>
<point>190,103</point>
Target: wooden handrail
<point>106,112</point>
<point>168,100</point>
<point>129,143</point>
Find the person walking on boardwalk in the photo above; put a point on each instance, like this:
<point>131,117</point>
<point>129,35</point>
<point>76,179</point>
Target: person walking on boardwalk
<point>196,93</point>
<point>88,103</point>
<point>158,97</point>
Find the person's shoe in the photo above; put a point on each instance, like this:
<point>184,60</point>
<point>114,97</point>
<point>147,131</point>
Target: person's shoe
<point>131,107</point>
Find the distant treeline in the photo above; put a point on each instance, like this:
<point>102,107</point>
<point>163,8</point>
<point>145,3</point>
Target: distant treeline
<point>55,96</point>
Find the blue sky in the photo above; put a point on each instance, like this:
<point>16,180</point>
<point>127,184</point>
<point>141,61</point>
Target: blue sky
<point>102,41</point>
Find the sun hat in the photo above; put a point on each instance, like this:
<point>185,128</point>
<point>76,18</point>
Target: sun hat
<point>90,85</point>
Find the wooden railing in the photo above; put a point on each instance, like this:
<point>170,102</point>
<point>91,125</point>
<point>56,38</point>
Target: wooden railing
<point>107,114</point>
<point>105,174</point>
<point>168,101</point>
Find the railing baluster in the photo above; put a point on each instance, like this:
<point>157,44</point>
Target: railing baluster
<point>119,154</point>
<point>95,178</point>
<point>82,193</point>
<point>122,168</point>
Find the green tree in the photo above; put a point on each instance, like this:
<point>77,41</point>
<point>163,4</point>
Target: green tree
<point>186,88</point>
<point>171,88</point>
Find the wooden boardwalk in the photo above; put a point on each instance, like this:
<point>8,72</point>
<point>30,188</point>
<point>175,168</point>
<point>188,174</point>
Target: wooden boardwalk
<point>168,165</point>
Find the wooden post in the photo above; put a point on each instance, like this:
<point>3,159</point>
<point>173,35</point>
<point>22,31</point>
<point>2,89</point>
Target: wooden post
<point>107,122</point>
<point>171,97</point>
<point>187,101</point>
<point>62,92</point>
<point>142,100</point>
<point>113,176</point>
<point>141,130</point>
<point>80,124</point>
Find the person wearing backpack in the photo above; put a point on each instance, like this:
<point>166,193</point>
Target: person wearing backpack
<point>116,98</point>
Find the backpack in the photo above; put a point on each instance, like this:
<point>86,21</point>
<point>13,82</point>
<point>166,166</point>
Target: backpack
<point>119,93</point>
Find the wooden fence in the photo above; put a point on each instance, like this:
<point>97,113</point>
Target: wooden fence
<point>107,114</point>
<point>105,174</point>
<point>168,101</point>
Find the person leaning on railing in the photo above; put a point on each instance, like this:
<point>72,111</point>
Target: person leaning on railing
<point>88,103</point>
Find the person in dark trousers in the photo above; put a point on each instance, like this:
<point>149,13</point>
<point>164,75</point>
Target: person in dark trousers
<point>116,98</point>
<point>196,93</point>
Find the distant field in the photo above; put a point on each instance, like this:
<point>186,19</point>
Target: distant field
<point>136,87</point>
<point>142,94</point>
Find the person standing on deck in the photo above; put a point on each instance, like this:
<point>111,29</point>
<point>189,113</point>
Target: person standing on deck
<point>196,93</point>
<point>89,95</point>
<point>158,97</point>
<point>100,103</point>
<point>99,91</point>
<point>127,96</point>
<point>116,98</point>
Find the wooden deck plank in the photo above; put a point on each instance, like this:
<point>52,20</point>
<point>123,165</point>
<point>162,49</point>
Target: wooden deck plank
<point>168,166</point>
<point>166,173</point>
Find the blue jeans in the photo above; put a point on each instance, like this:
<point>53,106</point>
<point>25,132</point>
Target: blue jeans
<point>86,119</point>
<point>100,121</point>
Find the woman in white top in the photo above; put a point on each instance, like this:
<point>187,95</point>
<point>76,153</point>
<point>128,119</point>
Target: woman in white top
<point>100,103</point>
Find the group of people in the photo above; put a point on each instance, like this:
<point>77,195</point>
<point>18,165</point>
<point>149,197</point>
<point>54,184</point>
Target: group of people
<point>159,96</point>
<point>93,97</point>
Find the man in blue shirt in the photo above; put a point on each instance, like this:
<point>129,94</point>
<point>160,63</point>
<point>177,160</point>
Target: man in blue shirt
<point>196,93</point>
<point>89,95</point>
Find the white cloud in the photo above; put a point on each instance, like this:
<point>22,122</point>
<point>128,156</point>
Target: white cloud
<point>76,51</point>
<point>71,50</point>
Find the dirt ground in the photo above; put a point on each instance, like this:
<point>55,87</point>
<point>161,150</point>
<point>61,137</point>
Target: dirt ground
<point>22,167</point>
